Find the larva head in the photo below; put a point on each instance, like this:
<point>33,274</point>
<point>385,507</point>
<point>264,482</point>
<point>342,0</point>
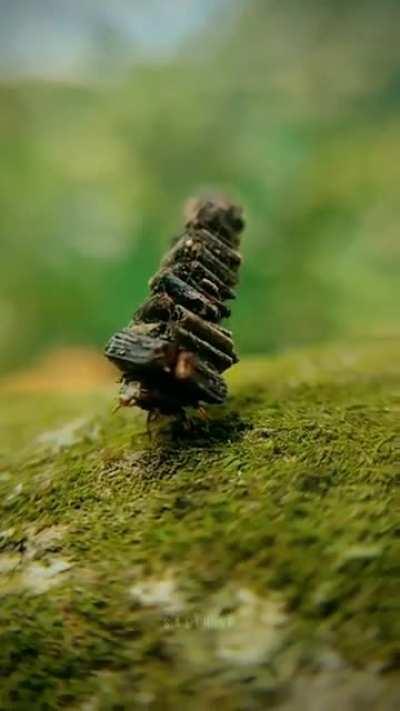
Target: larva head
<point>128,394</point>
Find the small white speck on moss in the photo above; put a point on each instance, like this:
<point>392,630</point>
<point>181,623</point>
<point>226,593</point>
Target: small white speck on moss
<point>15,492</point>
<point>45,540</point>
<point>256,630</point>
<point>37,578</point>
<point>88,705</point>
<point>145,698</point>
<point>7,533</point>
<point>161,593</point>
<point>359,553</point>
<point>69,434</point>
<point>9,563</point>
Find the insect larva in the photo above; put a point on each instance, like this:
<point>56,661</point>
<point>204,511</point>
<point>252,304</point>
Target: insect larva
<point>174,350</point>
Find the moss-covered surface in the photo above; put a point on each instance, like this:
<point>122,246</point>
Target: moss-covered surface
<point>251,562</point>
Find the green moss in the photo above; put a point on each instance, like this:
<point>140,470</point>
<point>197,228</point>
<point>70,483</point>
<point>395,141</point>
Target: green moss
<point>291,492</point>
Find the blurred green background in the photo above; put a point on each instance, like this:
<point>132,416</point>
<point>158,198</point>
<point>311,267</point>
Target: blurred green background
<point>112,114</point>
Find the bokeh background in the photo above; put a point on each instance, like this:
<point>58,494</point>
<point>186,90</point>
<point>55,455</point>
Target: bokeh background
<point>113,113</point>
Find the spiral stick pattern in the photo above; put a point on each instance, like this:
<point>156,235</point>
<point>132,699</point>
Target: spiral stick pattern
<point>173,352</point>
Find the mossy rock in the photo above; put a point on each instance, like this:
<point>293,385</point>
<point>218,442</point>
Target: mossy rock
<point>251,562</point>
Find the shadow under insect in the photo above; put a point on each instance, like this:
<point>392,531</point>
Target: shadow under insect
<point>206,434</point>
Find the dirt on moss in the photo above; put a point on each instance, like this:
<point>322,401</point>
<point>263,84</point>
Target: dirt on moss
<point>252,562</point>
